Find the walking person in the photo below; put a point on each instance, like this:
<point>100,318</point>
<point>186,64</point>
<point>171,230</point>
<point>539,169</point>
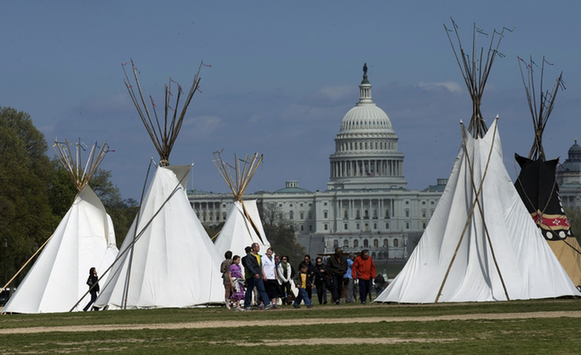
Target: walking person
<point>285,274</point>
<point>337,267</point>
<point>364,271</point>
<point>225,270</point>
<point>271,283</point>
<point>236,282</point>
<point>310,271</point>
<point>301,280</point>
<point>322,279</point>
<point>348,280</point>
<point>93,282</point>
<point>254,269</point>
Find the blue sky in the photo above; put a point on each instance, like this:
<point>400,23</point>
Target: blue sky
<point>283,75</point>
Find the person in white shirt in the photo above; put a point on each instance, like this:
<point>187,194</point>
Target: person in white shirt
<point>270,281</point>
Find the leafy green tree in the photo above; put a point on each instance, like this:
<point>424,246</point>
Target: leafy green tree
<point>37,192</point>
<point>61,192</point>
<point>213,230</point>
<point>122,214</point>
<point>25,171</point>
<point>281,234</point>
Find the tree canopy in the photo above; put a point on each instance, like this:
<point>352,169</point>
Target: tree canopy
<point>37,192</point>
<point>281,234</point>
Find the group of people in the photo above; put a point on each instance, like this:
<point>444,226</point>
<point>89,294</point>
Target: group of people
<point>340,273</point>
<point>271,277</point>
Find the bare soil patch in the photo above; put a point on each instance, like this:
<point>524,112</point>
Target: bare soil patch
<point>338,341</point>
<point>290,322</point>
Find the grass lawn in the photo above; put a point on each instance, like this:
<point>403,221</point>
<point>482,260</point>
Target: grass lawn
<point>288,331</point>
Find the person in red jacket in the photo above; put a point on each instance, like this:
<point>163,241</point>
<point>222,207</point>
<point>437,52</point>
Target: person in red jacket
<point>363,269</point>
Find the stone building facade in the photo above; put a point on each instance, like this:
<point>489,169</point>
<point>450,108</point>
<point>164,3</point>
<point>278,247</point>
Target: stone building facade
<point>366,205</point>
<point>569,178</point>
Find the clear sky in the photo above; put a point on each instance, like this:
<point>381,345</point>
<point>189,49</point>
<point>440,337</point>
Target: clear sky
<point>283,75</point>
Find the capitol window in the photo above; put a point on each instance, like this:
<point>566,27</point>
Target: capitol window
<point>395,242</point>
<point>356,243</point>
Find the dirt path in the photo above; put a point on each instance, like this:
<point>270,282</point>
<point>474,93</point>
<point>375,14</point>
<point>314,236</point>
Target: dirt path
<point>289,322</point>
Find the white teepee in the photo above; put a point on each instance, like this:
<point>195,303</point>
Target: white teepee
<point>84,238</point>
<point>167,258</point>
<point>238,233</point>
<point>172,262</point>
<point>480,244</point>
<point>243,225</point>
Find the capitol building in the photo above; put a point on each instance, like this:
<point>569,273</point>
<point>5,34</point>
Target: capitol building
<point>366,205</point>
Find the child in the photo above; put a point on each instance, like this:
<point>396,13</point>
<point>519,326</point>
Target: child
<point>236,281</point>
<point>302,279</point>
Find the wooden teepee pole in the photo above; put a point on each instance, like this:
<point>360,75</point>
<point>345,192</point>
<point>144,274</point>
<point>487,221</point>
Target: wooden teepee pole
<point>476,202</point>
<point>238,180</point>
<point>80,173</point>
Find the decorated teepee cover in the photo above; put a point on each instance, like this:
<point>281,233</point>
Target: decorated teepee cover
<point>536,183</point>
<point>84,238</point>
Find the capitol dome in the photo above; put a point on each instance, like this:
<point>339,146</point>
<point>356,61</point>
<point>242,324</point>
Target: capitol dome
<point>575,152</point>
<point>366,154</point>
<point>365,116</point>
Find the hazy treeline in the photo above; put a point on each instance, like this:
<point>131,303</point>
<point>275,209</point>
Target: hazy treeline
<point>36,192</point>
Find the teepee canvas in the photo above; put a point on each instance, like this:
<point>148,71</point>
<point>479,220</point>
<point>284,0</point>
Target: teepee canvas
<point>172,262</point>
<point>167,258</point>
<point>243,225</point>
<point>536,183</point>
<point>84,238</point>
<point>480,244</point>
